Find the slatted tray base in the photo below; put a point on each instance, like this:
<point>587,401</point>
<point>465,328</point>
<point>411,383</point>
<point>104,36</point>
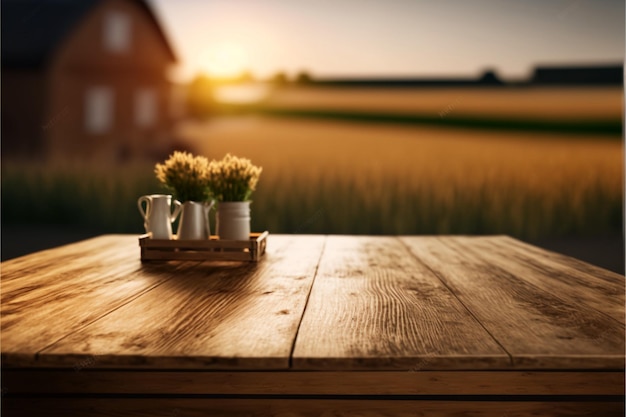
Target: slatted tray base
<point>212,249</point>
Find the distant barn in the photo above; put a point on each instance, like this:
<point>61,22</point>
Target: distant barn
<point>611,75</point>
<point>84,78</point>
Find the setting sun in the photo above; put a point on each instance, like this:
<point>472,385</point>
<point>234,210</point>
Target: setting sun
<point>225,60</point>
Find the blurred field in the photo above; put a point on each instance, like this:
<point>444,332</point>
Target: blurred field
<point>78,196</point>
<point>323,176</point>
<point>518,102</point>
<point>391,179</point>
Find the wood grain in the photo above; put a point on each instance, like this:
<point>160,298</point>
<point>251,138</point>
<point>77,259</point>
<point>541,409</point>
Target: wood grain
<point>213,243</point>
<point>201,250</point>
<point>200,256</point>
<point>604,292</point>
<point>214,316</point>
<point>281,407</point>
<point>373,306</point>
<point>540,329</point>
<point>87,380</point>
<point>365,318</point>
<point>50,295</point>
<point>563,261</point>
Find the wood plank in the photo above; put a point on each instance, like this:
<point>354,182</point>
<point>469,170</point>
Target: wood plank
<point>49,300</point>
<point>610,278</point>
<point>373,306</point>
<point>87,380</point>
<point>204,250</point>
<point>281,407</point>
<point>159,255</point>
<point>216,316</point>
<point>35,267</point>
<point>561,279</point>
<point>539,329</point>
<point>214,243</point>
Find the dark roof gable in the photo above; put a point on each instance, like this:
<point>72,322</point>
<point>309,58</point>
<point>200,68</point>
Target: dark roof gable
<point>33,29</point>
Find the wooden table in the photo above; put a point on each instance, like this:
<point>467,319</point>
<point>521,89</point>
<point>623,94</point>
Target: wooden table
<point>322,325</point>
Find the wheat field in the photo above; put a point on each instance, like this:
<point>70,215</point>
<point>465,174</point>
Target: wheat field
<point>536,102</point>
<point>336,177</point>
<point>323,176</point>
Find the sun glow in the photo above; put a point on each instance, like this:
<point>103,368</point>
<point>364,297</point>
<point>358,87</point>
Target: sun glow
<point>225,60</point>
<point>242,93</point>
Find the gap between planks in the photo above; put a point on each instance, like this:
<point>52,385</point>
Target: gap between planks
<point>95,337</point>
<point>388,313</point>
<point>559,322</point>
<point>470,312</point>
<point>306,303</point>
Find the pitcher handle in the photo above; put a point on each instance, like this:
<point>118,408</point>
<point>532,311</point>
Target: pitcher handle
<point>144,213</point>
<point>177,208</point>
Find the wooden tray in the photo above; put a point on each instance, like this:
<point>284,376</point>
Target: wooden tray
<point>203,250</point>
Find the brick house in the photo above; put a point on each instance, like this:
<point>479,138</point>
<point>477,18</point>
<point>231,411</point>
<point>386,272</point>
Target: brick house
<point>84,78</point>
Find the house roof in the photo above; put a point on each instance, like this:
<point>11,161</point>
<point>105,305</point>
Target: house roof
<point>33,29</point>
<point>581,74</point>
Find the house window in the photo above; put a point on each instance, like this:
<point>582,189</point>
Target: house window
<point>99,110</point>
<point>117,32</point>
<point>145,107</point>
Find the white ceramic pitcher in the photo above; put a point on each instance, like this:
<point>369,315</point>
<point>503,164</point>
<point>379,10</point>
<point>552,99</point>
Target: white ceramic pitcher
<point>194,221</point>
<point>158,216</point>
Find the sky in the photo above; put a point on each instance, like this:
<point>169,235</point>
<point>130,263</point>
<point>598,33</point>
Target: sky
<point>392,38</point>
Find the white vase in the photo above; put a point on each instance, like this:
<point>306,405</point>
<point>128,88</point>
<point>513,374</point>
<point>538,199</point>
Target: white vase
<point>233,220</point>
<point>194,221</point>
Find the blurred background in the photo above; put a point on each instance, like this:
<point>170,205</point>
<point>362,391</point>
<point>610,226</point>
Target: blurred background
<point>368,117</point>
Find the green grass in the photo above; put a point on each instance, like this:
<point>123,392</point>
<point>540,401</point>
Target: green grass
<point>90,199</point>
<point>610,128</point>
<point>391,207</point>
<point>104,201</point>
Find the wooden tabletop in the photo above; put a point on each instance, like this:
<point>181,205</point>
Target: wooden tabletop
<point>331,303</point>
